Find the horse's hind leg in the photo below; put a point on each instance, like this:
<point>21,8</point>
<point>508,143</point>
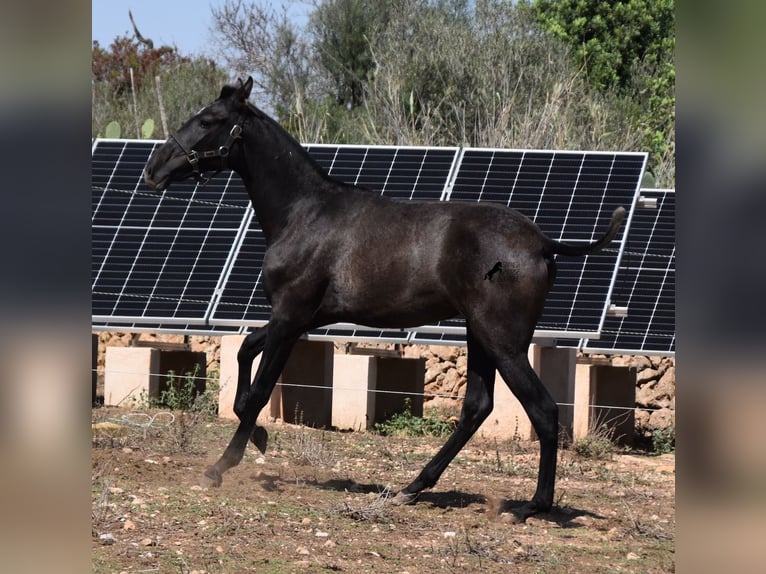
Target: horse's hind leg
<point>278,345</point>
<point>477,405</point>
<point>543,413</point>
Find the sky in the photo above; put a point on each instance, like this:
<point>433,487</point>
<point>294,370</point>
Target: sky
<point>185,24</point>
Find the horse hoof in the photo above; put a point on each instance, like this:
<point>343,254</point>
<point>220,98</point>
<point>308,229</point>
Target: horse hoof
<point>525,511</point>
<point>211,478</point>
<point>404,498</point>
<point>260,439</point>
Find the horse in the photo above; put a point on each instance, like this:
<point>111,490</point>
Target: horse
<point>338,253</point>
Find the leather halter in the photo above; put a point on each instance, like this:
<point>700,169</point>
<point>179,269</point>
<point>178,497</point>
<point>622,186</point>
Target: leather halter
<point>194,156</point>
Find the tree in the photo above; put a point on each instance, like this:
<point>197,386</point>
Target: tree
<point>185,84</point>
<point>627,45</point>
<point>432,72</point>
<point>342,31</point>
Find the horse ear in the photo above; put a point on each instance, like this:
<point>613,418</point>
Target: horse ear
<point>247,87</point>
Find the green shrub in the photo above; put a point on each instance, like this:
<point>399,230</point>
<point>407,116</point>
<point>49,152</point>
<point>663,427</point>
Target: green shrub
<point>664,440</point>
<point>597,444</point>
<point>407,424</point>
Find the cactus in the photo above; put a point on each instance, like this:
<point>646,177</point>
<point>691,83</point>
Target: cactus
<point>113,130</point>
<point>147,129</point>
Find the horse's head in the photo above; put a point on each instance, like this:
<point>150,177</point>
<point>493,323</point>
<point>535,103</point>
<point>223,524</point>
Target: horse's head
<point>203,143</point>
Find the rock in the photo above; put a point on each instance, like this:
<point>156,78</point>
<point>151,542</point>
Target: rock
<point>661,419</point>
<point>450,382</point>
<point>645,396</point>
<point>432,372</point>
<point>107,538</point>
<point>665,389</point>
<point>622,361</point>
<point>462,365</point>
<point>639,362</point>
<point>446,353</point>
<point>642,418</point>
<point>646,375</point>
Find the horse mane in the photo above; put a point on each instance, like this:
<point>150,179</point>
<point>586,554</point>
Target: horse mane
<point>275,127</point>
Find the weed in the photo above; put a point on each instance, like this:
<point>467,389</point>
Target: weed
<point>407,424</point>
<point>597,444</point>
<point>309,448</point>
<point>512,467</point>
<point>375,511</point>
<point>664,440</point>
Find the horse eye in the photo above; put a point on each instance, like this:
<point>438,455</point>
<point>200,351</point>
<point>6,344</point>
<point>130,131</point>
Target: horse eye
<point>204,123</point>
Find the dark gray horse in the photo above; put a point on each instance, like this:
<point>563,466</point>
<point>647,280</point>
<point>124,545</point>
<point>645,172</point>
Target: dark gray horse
<point>340,254</point>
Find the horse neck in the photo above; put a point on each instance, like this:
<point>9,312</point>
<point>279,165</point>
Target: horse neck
<point>278,173</point>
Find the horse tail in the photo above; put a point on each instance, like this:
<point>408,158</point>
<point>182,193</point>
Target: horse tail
<point>557,247</point>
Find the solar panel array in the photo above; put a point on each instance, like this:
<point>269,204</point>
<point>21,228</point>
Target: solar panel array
<point>189,259</point>
<point>645,283</point>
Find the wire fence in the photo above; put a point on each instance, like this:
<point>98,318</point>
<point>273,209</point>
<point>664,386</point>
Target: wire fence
<point>217,381</point>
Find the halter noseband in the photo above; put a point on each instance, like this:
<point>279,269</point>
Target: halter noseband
<point>194,156</point>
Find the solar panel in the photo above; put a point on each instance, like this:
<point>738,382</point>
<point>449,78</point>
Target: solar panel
<point>157,258</point>
<point>645,283</point>
<point>419,173</point>
<point>570,196</point>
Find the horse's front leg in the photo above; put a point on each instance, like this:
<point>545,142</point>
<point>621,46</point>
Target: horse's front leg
<point>250,348</point>
<point>276,351</point>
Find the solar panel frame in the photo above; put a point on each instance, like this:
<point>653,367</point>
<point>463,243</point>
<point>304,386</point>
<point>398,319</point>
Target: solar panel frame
<point>651,238</point>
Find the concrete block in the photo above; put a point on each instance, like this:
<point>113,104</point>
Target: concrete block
<point>584,396</point>
<point>94,368</point>
<point>353,377</point>
<point>182,364</point>
<point>228,371</point>
<point>555,367</point>
<point>307,385</point>
<point>508,418</point>
<point>309,368</point>
<point>404,380</point>
<point>597,385</point>
<point>130,373</point>
<point>371,388</point>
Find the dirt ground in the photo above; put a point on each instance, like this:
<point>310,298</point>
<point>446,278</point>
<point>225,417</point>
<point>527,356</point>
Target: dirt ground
<point>316,502</point>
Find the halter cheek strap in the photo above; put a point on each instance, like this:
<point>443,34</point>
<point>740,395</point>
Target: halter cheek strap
<point>194,156</point>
